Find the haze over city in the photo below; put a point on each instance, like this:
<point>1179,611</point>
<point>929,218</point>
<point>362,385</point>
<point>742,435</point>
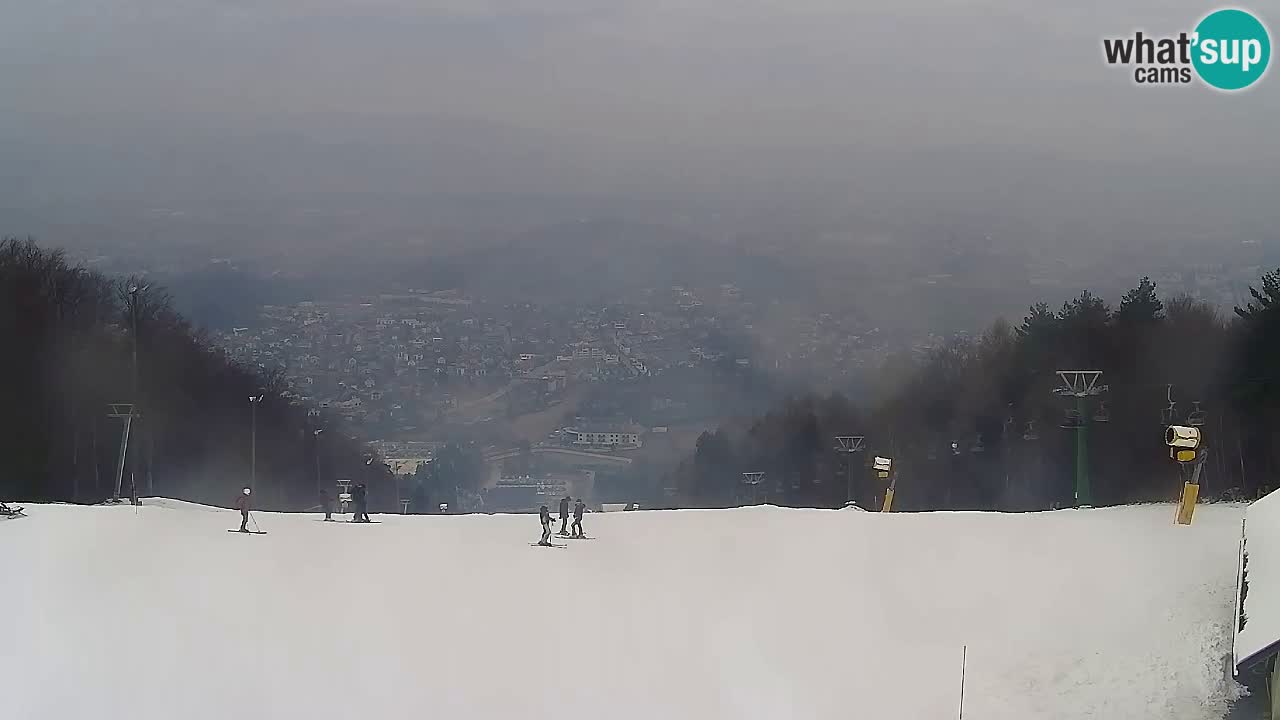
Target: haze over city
<point>857,358</point>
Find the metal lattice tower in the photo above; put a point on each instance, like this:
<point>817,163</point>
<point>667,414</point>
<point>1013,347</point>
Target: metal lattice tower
<point>848,446</point>
<point>753,479</point>
<point>125,412</point>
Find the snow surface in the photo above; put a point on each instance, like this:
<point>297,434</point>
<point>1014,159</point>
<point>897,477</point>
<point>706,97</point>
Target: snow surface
<point>1262,600</point>
<point>750,613</point>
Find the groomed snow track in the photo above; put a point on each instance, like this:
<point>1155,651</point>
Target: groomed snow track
<point>751,613</point>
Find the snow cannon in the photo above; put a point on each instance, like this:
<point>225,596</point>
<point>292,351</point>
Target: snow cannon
<point>1184,447</point>
<point>1182,437</point>
<point>884,469</point>
<point>882,466</point>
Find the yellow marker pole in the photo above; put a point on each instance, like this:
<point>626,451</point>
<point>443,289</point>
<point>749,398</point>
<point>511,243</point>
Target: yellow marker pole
<point>1190,462</point>
<point>1187,507</point>
<point>888,492</point>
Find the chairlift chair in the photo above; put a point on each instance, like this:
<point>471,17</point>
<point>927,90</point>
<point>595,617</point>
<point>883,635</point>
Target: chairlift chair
<point>1103,413</point>
<point>1030,433</point>
<point>1196,417</point>
<point>1072,420</point>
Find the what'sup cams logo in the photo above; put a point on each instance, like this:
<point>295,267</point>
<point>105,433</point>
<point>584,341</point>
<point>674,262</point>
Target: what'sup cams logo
<point>1228,50</point>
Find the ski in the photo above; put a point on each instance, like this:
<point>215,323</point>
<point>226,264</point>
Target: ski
<point>552,545</point>
<point>248,532</point>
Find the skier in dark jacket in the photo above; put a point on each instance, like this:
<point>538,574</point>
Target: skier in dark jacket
<point>326,503</point>
<point>578,510</point>
<point>242,504</point>
<point>544,515</point>
<point>360,497</point>
<point>564,516</point>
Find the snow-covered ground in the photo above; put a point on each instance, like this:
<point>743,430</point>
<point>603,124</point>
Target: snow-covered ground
<point>750,613</point>
<point>1262,600</point>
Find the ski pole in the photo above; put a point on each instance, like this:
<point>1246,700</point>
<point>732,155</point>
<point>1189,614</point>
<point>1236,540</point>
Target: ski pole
<point>254,520</point>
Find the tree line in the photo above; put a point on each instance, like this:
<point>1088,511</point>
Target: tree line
<point>975,423</point>
<point>76,342</point>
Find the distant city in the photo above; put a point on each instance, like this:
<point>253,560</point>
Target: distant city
<point>408,366</point>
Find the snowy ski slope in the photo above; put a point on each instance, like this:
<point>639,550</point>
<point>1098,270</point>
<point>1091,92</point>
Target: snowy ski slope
<point>752,613</point>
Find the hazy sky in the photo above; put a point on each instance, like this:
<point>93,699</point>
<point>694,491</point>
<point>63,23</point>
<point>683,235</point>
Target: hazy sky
<point>943,96</point>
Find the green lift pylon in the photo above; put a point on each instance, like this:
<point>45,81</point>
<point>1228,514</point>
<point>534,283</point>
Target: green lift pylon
<point>1082,457</point>
<point>1081,385</point>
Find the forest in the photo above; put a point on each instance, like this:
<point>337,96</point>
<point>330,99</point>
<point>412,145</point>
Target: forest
<point>81,348</point>
<point>975,423</point>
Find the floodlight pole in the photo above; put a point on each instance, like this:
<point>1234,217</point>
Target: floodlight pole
<point>316,434</point>
<point>134,291</point>
<point>253,441</point>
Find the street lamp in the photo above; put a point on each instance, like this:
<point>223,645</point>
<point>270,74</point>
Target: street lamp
<point>134,291</point>
<point>316,434</point>
<point>254,401</point>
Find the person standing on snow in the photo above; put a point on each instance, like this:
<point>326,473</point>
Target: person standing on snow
<point>544,515</point>
<point>564,515</point>
<point>242,504</point>
<point>360,496</point>
<point>326,503</point>
<point>578,510</point>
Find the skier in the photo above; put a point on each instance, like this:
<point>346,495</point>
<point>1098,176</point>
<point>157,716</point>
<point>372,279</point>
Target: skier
<point>564,516</point>
<point>326,502</point>
<point>578,509</point>
<point>544,515</point>
<point>360,496</point>
<point>242,504</point>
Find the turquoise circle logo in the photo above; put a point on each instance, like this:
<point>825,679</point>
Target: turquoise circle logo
<point>1232,49</point>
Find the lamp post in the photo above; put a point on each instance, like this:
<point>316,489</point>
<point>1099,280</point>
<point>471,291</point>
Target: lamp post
<point>134,292</point>
<point>254,401</point>
<point>316,434</point>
